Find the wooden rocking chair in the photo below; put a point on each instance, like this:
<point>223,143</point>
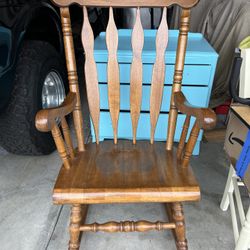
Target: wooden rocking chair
<point>125,171</point>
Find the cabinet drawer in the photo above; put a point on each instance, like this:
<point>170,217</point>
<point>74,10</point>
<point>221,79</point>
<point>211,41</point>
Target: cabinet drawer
<point>193,74</point>
<point>143,130</point>
<point>196,96</point>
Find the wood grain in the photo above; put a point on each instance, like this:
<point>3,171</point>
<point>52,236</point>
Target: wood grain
<point>74,228</point>
<point>67,138</point>
<point>60,145</point>
<point>175,214</point>
<point>111,172</point>
<point>136,73</point>
<point>190,144</point>
<point>127,226</point>
<point>123,173</point>
<point>46,118</point>
<point>77,217</point>
<point>206,117</point>
<point>178,74</point>
<point>72,74</point>
<point>158,75</point>
<point>90,70</point>
<point>113,73</point>
<point>128,3</point>
<point>183,137</point>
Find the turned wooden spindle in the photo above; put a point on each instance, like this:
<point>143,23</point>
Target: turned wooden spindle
<point>190,144</point>
<point>67,137</point>
<point>127,226</point>
<point>72,74</point>
<point>60,145</point>
<point>74,228</point>
<point>183,137</point>
<point>178,218</point>
<point>179,66</point>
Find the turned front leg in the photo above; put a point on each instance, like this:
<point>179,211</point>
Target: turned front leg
<point>74,228</point>
<point>180,231</point>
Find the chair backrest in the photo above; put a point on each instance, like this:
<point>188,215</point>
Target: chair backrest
<point>137,40</point>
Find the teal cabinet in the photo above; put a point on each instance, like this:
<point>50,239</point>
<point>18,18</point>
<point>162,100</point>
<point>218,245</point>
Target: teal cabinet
<point>199,69</point>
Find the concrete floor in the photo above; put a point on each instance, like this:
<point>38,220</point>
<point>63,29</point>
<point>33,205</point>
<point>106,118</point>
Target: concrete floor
<point>29,220</point>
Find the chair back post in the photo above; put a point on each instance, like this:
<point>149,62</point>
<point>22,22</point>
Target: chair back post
<point>72,74</point>
<point>178,74</point>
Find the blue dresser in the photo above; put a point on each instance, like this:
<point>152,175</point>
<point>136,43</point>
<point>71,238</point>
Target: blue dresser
<point>198,77</point>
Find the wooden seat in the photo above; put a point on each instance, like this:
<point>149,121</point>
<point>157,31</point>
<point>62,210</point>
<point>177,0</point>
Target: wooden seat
<point>121,171</point>
<point>126,173</point>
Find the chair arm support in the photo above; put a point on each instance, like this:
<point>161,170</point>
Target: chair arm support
<point>45,119</point>
<point>206,117</point>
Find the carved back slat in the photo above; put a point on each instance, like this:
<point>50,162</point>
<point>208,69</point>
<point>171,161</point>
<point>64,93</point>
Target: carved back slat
<point>91,73</point>
<point>158,76</point>
<point>178,74</point>
<point>113,73</point>
<point>137,41</point>
<point>136,73</point>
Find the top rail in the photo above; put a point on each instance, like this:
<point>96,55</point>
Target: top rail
<point>128,3</point>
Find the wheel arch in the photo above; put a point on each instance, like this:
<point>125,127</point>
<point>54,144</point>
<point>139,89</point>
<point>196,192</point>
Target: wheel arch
<point>35,21</point>
<point>43,23</point>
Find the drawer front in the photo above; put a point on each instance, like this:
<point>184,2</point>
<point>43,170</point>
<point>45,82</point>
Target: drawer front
<point>195,95</point>
<point>143,130</point>
<point>193,74</point>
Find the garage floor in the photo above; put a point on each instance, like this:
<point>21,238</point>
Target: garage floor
<point>28,220</point>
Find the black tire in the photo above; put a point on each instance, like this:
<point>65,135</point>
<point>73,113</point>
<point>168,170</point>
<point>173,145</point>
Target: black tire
<point>18,133</point>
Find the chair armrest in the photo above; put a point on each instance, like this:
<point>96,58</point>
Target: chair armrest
<point>206,117</point>
<point>46,118</point>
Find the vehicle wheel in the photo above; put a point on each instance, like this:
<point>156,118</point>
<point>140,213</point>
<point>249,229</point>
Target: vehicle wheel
<point>39,83</point>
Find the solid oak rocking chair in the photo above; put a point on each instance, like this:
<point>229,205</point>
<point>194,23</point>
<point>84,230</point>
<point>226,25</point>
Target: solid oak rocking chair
<point>125,171</point>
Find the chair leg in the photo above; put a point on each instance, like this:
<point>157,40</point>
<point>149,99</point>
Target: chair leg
<point>180,231</point>
<point>74,228</point>
<point>243,242</point>
<point>225,199</point>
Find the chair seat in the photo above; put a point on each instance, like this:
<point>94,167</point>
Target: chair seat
<point>108,173</point>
